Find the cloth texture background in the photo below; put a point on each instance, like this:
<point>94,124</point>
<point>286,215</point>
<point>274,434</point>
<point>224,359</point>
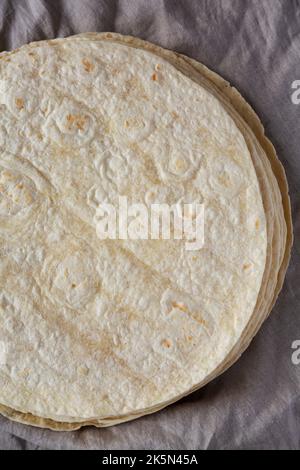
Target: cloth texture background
<point>255,45</point>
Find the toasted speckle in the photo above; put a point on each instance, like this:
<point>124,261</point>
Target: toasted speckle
<point>166,343</point>
<point>247,266</point>
<point>19,103</point>
<point>32,56</point>
<point>180,306</point>
<point>76,120</point>
<point>88,66</point>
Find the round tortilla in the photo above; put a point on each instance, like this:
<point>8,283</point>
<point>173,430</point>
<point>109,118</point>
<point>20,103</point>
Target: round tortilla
<point>246,153</point>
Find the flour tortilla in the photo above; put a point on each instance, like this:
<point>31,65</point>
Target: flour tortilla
<point>276,234</point>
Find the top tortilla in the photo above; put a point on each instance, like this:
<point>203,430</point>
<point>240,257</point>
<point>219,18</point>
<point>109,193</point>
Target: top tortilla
<point>232,330</point>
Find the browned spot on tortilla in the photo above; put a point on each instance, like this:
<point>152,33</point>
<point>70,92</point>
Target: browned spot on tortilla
<point>76,120</point>
<point>257,224</point>
<point>88,66</point>
<point>196,317</point>
<point>246,266</point>
<point>19,103</point>
<point>180,306</point>
<point>154,77</point>
<point>166,343</point>
<point>32,56</point>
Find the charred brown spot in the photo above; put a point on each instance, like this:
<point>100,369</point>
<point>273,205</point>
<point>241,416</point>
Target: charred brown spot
<point>76,120</point>
<point>88,66</point>
<point>246,266</point>
<point>166,343</point>
<point>180,306</point>
<point>32,55</point>
<point>154,77</point>
<point>19,103</point>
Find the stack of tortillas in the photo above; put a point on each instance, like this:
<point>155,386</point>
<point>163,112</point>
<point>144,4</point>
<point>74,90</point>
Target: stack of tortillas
<point>103,331</point>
